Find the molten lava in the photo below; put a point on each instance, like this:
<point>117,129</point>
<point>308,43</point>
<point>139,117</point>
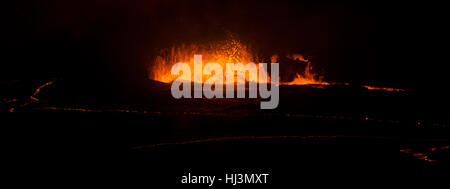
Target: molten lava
<point>222,52</point>
<point>234,51</point>
<point>308,78</point>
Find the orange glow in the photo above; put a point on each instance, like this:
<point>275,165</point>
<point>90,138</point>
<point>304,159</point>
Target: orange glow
<point>222,52</point>
<point>383,88</point>
<point>297,56</point>
<point>308,78</point>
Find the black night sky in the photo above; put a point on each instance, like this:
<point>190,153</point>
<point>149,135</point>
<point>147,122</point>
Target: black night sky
<point>381,44</point>
<point>117,39</point>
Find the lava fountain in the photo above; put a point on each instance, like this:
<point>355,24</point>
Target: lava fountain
<point>227,51</point>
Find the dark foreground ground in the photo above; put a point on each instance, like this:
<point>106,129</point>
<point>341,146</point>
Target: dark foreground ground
<point>95,134</point>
